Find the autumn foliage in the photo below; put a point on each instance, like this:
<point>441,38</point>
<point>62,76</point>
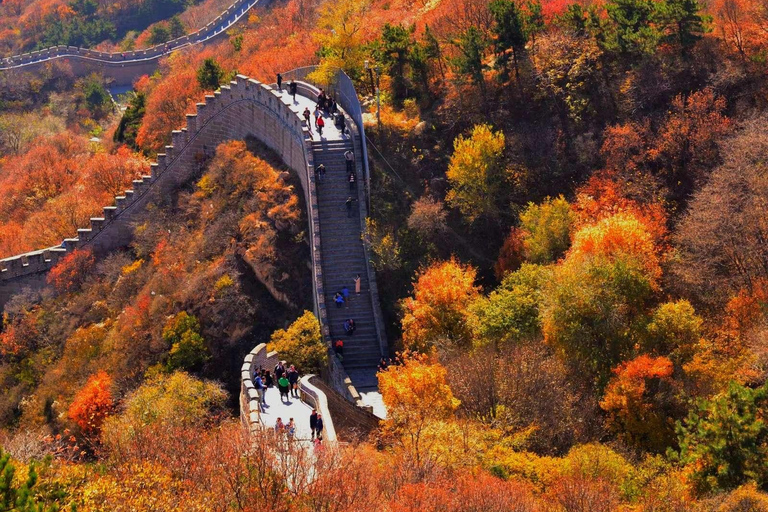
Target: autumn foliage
<point>71,271</point>
<point>92,404</point>
<point>638,402</point>
<point>437,314</point>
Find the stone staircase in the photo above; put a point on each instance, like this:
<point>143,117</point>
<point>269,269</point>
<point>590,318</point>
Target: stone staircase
<point>343,259</point>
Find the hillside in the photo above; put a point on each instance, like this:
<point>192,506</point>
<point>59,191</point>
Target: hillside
<point>566,221</point>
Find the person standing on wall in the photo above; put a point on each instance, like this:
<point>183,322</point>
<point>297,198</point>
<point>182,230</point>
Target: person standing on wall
<point>293,380</point>
<point>319,426</point>
<point>259,385</point>
<point>293,88</point>
<point>357,284</point>
<point>320,125</point>
<point>307,115</point>
<point>280,82</point>
<point>313,422</point>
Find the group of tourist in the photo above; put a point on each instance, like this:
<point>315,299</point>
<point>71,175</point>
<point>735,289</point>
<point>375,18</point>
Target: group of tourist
<point>289,429</point>
<point>287,380</point>
<point>342,296</point>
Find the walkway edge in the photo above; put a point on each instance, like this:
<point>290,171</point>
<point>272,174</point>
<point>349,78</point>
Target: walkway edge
<point>317,399</point>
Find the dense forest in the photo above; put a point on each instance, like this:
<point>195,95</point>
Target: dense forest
<point>568,227</point>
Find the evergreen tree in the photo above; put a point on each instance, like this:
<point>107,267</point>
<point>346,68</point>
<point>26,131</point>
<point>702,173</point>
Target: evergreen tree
<point>159,34</point>
<point>509,34</point>
<point>631,27</point>
<point>209,75</point>
<point>469,62</point>
<point>131,120</point>
<point>726,439</point>
<point>682,22</point>
<point>176,27</point>
<point>574,19</point>
<point>394,51</point>
<point>17,497</point>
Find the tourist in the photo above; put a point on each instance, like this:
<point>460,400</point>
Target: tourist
<point>293,88</point>
<point>345,292</point>
<point>293,379</point>
<point>338,299</point>
<point>313,422</point>
<point>279,369</point>
<point>307,115</point>
<point>320,125</point>
<point>258,384</point>
<point>291,429</point>
<point>268,381</point>
<point>319,426</point>
<point>357,284</point>
<point>316,113</point>
<point>349,156</point>
<point>279,426</point>
<point>349,327</point>
<point>383,364</point>
<point>283,384</point>
<point>348,202</point>
<point>338,347</point>
<point>352,180</point>
<point>320,173</point>
<point>280,82</point>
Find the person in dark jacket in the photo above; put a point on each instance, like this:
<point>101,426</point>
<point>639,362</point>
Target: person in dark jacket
<point>313,422</point>
<point>279,370</point>
<point>319,426</point>
<point>279,82</point>
<point>293,380</point>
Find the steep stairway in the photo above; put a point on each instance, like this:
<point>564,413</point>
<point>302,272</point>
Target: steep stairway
<point>343,259</point>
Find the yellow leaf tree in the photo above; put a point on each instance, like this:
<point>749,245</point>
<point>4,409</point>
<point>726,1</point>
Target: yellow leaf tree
<point>476,173</point>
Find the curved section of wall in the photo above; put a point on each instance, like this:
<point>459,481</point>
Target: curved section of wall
<point>124,67</point>
<point>245,107</point>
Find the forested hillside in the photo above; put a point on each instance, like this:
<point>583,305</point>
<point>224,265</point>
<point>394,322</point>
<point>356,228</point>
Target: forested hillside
<point>567,224</point>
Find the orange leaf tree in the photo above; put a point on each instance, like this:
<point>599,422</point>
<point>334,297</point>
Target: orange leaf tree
<point>438,313</point>
<point>638,400</point>
<point>417,396</point>
<point>70,273</point>
<point>92,404</point>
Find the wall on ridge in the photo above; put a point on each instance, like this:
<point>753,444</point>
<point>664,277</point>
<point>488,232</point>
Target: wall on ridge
<point>245,107</point>
<point>125,67</point>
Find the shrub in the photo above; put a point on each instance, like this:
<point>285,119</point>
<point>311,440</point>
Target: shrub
<point>70,273</point>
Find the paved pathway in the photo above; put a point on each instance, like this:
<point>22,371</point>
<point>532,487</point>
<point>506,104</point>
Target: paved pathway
<point>293,408</point>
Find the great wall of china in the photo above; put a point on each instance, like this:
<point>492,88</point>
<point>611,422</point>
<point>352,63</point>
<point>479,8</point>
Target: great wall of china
<point>243,108</point>
<point>124,67</point>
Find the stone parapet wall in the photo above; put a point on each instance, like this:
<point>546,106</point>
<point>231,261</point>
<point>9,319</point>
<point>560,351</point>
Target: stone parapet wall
<point>250,412</point>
